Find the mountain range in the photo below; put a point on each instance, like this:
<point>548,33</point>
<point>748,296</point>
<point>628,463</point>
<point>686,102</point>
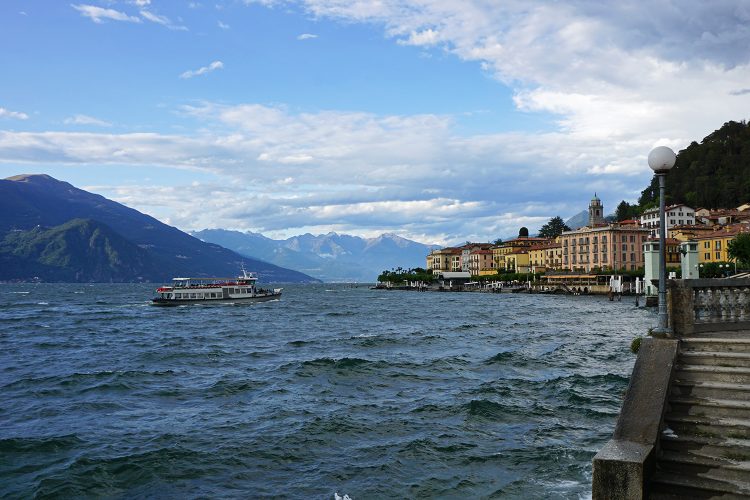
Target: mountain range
<point>53,231</point>
<point>329,257</point>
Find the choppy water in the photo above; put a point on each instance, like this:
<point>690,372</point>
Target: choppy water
<point>372,394</point>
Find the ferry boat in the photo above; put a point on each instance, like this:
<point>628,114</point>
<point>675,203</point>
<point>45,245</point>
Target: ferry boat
<point>214,290</point>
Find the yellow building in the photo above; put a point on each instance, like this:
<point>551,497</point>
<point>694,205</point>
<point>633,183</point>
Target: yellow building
<point>545,256</point>
<point>513,255</point>
<point>714,247</point>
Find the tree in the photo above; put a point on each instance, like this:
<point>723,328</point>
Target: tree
<point>739,249</point>
<point>553,228</point>
<point>626,211</point>
<point>498,242</point>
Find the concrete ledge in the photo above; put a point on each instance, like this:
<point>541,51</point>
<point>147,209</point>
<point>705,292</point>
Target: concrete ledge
<point>623,466</point>
<point>620,470</point>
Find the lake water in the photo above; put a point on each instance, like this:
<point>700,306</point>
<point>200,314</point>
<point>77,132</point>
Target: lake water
<point>333,389</point>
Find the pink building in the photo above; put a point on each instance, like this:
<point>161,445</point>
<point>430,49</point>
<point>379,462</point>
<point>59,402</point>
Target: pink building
<point>605,247</point>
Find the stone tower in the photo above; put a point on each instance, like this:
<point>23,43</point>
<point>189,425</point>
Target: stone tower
<point>596,212</point>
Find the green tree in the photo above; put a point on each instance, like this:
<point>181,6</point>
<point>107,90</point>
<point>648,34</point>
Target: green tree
<point>626,211</point>
<point>739,249</point>
<point>553,228</point>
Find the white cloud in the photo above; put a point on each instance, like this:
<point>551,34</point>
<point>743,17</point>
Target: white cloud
<point>306,36</point>
<point>18,115</point>
<point>163,20</point>
<point>424,38</point>
<point>98,14</point>
<point>203,70</point>
<point>355,171</point>
<point>86,120</point>
<point>222,25</point>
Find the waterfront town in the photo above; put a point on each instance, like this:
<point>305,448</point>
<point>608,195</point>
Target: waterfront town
<point>602,248</point>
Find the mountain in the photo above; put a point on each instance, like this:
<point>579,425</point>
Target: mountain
<point>28,201</point>
<point>578,220</point>
<point>79,250</point>
<point>330,257</point>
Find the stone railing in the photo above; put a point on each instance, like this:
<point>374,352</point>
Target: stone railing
<point>709,305</point>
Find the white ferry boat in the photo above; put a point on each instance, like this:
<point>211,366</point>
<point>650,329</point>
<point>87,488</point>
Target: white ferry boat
<point>214,290</point>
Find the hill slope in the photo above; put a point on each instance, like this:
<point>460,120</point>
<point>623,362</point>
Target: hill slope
<point>27,201</point>
<point>712,174</point>
<point>79,250</point>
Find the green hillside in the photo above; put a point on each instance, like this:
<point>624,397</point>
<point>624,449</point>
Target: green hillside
<point>712,174</point>
<point>79,250</point>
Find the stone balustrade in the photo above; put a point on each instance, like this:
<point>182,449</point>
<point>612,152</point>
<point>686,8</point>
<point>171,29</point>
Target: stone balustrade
<point>708,305</point>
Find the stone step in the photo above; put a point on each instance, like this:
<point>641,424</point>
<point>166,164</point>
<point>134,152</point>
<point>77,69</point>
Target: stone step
<point>708,373</point>
<point>734,473</point>
<point>718,447</point>
<point>715,344</point>
<point>709,407</point>
<point>714,358</point>
<point>709,427</point>
<point>716,390</point>
<point>670,485</point>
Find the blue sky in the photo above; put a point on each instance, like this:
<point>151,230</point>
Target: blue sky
<point>438,120</point>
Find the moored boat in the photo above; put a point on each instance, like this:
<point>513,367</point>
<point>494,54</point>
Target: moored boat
<point>214,290</point>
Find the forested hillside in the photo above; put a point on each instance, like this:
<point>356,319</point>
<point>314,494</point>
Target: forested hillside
<point>712,174</point>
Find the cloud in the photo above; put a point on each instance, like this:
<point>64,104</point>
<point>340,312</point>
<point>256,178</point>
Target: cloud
<point>163,20</point>
<point>222,25</point>
<point>306,36</point>
<point>354,171</point>
<point>739,92</point>
<point>86,120</point>
<point>6,113</point>
<point>98,14</point>
<point>203,70</point>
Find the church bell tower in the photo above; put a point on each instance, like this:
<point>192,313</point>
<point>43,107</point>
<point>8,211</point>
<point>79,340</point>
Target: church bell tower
<point>596,212</point>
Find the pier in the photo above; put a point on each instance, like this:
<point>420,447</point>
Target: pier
<point>684,426</point>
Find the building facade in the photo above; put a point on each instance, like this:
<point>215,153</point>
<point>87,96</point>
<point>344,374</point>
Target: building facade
<point>611,247</point>
<point>676,215</point>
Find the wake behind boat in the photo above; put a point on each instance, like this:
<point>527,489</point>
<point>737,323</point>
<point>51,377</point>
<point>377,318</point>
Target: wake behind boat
<point>214,290</point>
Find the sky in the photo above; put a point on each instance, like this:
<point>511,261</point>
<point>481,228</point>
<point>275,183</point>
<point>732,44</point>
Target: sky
<point>441,121</point>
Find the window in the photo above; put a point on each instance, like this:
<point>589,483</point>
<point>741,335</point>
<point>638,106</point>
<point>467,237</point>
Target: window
<point>604,257</point>
<point>706,244</point>
<point>718,255</point>
<point>632,238</point>
<point>718,245</point>
<point>624,247</point>
<point>706,256</point>
<point>632,257</point>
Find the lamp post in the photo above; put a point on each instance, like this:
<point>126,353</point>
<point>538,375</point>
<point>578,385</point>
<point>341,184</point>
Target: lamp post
<point>661,159</point>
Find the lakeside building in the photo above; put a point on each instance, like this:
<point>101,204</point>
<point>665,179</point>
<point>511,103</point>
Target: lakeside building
<point>721,217</point>
<point>614,246</point>
<point>676,215</point>
<point>546,256</point>
<point>512,256</point>
<point>481,262</point>
<point>444,260</point>
<point>714,246</point>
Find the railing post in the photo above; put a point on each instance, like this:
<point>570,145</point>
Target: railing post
<point>681,307</point>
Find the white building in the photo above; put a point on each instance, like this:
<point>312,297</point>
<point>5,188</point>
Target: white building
<point>677,215</point>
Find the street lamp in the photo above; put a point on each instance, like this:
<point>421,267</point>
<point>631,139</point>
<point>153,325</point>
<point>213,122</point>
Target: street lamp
<point>661,159</point>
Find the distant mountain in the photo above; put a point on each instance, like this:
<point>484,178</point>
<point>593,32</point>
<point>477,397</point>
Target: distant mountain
<point>28,201</point>
<point>578,220</point>
<point>330,257</point>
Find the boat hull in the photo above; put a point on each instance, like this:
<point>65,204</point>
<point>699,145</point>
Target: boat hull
<point>229,300</point>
